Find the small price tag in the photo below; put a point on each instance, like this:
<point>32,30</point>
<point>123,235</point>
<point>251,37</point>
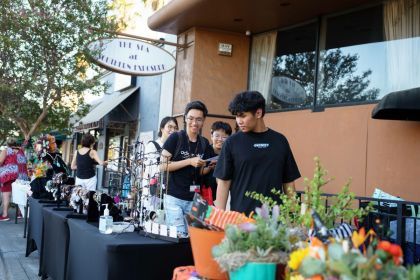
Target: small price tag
<point>194,188</point>
<point>163,230</point>
<point>155,228</point>
<point>173,231</point>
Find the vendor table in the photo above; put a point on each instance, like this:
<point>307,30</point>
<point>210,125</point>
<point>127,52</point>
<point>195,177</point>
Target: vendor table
<point>53,261</point>
<point>93,255</point>
<point>35,237</point>
<point>35,223</point>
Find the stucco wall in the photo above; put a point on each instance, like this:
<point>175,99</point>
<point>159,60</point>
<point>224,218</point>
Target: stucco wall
<point>184,72</point>
<point>203,74</point>
<point>217,78</point>
<point>350,144</point>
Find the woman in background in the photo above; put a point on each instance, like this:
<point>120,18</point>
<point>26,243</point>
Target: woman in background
<point>12,166</point>
<point>168,125</point>
<point>84,161</point>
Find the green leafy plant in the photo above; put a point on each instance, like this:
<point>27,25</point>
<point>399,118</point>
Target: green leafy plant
<point>372,261</point>
<point>295,212</point>
<point>266,240</point>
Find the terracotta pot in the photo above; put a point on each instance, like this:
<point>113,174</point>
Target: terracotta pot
<point>202,241</point>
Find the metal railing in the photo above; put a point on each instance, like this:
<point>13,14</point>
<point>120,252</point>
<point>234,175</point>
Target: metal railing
<point>394,220</point>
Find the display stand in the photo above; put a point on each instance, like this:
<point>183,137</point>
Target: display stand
<point>162,237</point>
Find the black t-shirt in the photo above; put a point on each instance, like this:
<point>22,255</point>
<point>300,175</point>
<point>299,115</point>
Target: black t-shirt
<point>181,179</point>
<point>255,162</point>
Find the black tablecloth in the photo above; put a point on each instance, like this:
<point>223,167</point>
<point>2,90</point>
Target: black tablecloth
<point>53,261</point>
<point>93,255</point>
<point>35,223</point>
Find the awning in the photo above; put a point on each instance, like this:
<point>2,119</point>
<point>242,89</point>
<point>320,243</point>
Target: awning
<point>399,105</point>
<point>94,118</point>
<point>241,15</point>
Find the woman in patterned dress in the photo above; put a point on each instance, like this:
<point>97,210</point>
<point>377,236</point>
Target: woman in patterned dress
<point>12,167</point>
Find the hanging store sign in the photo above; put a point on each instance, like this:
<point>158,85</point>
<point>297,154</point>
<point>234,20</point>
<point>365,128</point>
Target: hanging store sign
<point>131,57</point>
<point>287,90</point>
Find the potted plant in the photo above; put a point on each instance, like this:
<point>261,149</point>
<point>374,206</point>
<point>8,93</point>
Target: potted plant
<point>297,212</point>
<point>341,261</point>
<point>253,250</point>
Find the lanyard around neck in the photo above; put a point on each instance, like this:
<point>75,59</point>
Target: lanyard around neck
<point>194,171</point>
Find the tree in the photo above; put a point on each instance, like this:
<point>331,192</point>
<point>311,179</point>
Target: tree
<point>7,128</point>
<point>338,83</point>
<point>44,60</point>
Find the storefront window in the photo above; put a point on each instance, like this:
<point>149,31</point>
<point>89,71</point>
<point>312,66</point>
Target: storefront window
<point>292,84</point>
<point>283,67</point>
<point>363,55</point>
<point>370,53</point>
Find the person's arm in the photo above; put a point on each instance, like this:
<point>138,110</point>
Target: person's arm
<point>170,166</point>
<point>206,170</point>
<point>209,153</point>
<point>3,156</point>
<point>93,154</point>
<point>222,193</point>
<point>73,162</point>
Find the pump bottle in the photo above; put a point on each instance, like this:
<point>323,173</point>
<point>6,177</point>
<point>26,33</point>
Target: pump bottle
<point>105,222</point>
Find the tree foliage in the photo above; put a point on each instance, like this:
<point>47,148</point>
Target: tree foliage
<point>44,60</point>
<point>338,81</point>
<point>7,128</point>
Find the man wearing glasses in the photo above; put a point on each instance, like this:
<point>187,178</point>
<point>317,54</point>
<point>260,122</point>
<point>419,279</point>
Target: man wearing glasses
<point>183,156</point>
<point>254,159</point>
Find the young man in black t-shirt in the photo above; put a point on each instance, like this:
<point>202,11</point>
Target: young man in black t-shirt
<point>254,159</point>
<point>183,156</point>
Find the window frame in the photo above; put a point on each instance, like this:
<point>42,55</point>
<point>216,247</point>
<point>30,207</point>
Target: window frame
<point>321,27</point>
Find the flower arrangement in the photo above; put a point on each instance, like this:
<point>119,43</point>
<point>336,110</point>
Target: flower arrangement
<point>41,169</point>
<point>295,212</point>
<point>45,144</point>
<point>340,260</point>
<point>265,241</point>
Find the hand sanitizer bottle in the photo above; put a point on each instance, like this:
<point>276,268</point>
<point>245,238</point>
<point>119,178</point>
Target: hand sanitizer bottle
<point>105,222</point>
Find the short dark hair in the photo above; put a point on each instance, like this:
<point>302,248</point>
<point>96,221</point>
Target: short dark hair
<point>88,140</point>
<point>164,121</point>
<point>221,126</point>
<point>247,101</point>
<point>197,105</point>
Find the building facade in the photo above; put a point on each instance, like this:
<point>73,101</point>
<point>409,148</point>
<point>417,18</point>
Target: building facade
<point>323,66</point>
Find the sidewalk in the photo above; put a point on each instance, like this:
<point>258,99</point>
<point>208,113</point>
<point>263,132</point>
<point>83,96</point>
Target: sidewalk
<point>13,263</point>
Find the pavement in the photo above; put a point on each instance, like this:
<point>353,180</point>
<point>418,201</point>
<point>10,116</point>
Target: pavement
<point>13,263</point>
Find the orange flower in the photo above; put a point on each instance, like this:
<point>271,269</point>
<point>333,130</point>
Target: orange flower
<point>393,249</point>
<point>315,242</point>
<point>384,245</point>
<point>397,253</point>
<point>358,238</point>
<point>316,277</point>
